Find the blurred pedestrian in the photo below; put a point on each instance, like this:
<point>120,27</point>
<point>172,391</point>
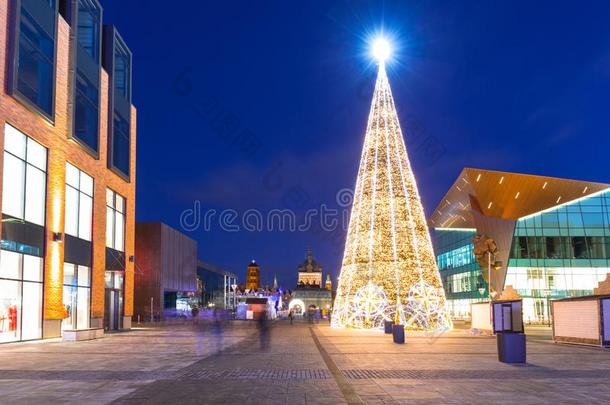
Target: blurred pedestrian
<point>218,330</point>
<point>263,330</point>
<point>195,314</point>
<point>291,316</point>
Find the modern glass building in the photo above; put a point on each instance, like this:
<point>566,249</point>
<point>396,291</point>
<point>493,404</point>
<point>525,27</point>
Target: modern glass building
<point>216,285</point>
<point>67,188</point>
<point>459,269</point>
<point>552,237</point>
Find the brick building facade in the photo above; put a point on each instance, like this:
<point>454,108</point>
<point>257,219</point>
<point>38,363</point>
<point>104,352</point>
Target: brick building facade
<point>75,179</point>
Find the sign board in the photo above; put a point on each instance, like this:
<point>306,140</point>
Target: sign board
<point>507,316</point>
<point>249,314</point>
<point>481,316</point>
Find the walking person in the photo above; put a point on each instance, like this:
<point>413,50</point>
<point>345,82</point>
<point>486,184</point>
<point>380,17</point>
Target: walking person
<point>218,330</point>
<point>263,329</point>
<point>291,316</point>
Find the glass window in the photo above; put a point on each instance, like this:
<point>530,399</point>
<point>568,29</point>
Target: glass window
<point>32,268</point>
<point>554,248</point>
<point>593,220</point>
<point>118,280</point>
<point>120,203</point>
<point>77,297</point>
<point>35,65</point>
<point>121,144</point>
<point>72,176</point>
<point>69,274</point>
<point>119,232</point>
<point>69,300</point>
<point>457,257</point>
<point>10,265</point>
<point>13,193</point>
<point>79,203</point>
<point>10,310</point>
<point>36,154</point>
<point>89,27</point>
<point>14,141</point>
<point>32,314</point>
<point>122,70</point>
<point>108,279</point>
<point>35,191</point>
<point>597,247</point>
<point>109,227</point>
<point>115,221</point>
<point>83,300</point>
<point>71,216</point>
<point>86,185</point>
<point>109,198</point>
<point>24,191</point>
<point>85,217</point>
<point>580,249</point>
<point>83,276</point>
<point>20,288</point>
<point>86,112</point>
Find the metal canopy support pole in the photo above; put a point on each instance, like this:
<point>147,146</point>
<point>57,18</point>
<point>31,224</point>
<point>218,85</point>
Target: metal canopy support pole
<point>224,289</point>
<point>230,289</point>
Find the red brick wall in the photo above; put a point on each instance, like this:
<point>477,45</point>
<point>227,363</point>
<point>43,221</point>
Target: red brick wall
<point>55,136</point>
<point>148,269</point>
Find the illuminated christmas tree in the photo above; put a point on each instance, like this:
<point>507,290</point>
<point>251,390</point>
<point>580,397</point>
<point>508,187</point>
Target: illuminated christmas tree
<point>389,271</point>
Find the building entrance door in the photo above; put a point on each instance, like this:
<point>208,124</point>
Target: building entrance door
<point>113,301</point>
<point>113,310</point>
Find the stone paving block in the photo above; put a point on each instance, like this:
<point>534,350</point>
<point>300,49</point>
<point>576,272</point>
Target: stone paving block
<point>184,364</point>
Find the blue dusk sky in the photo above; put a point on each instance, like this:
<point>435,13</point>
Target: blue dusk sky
<point>263,105</point>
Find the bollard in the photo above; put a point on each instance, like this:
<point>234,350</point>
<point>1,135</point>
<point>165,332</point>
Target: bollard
<point>398,333</point>
<point>387,326</point>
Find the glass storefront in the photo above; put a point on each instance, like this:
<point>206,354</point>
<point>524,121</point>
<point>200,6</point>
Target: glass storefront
<point>77,297</point>
<point>23,218</point>
<point>20,297</point>
<point>460,308</point>
<point>558,253</point>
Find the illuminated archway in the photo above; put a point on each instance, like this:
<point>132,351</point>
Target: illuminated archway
<point>297,305</point>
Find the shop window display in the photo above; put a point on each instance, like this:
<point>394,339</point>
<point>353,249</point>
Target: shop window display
<point>20,297</point>
<point>77,297</point>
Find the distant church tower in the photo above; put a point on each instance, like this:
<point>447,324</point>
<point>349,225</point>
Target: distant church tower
<point>310,272</point>
<point>329,283</point>
<point>275,282</point>
<point>253,276</point>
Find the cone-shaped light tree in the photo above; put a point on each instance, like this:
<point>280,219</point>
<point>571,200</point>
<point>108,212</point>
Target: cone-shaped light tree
<point>389,271</point>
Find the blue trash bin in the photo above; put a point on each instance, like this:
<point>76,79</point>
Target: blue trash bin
<point>511,347</point>
<point>398,333</point>
<point>387,327</point>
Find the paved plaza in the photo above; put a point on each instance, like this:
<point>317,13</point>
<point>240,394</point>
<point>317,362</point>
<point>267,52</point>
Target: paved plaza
<point>302,364</point>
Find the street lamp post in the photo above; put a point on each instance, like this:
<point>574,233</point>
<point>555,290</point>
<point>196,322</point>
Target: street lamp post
<point>547,294</point>
<point>493,294</point>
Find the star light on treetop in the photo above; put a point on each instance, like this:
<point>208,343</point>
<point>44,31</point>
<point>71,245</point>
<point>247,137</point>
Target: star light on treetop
<point>381,49</point>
